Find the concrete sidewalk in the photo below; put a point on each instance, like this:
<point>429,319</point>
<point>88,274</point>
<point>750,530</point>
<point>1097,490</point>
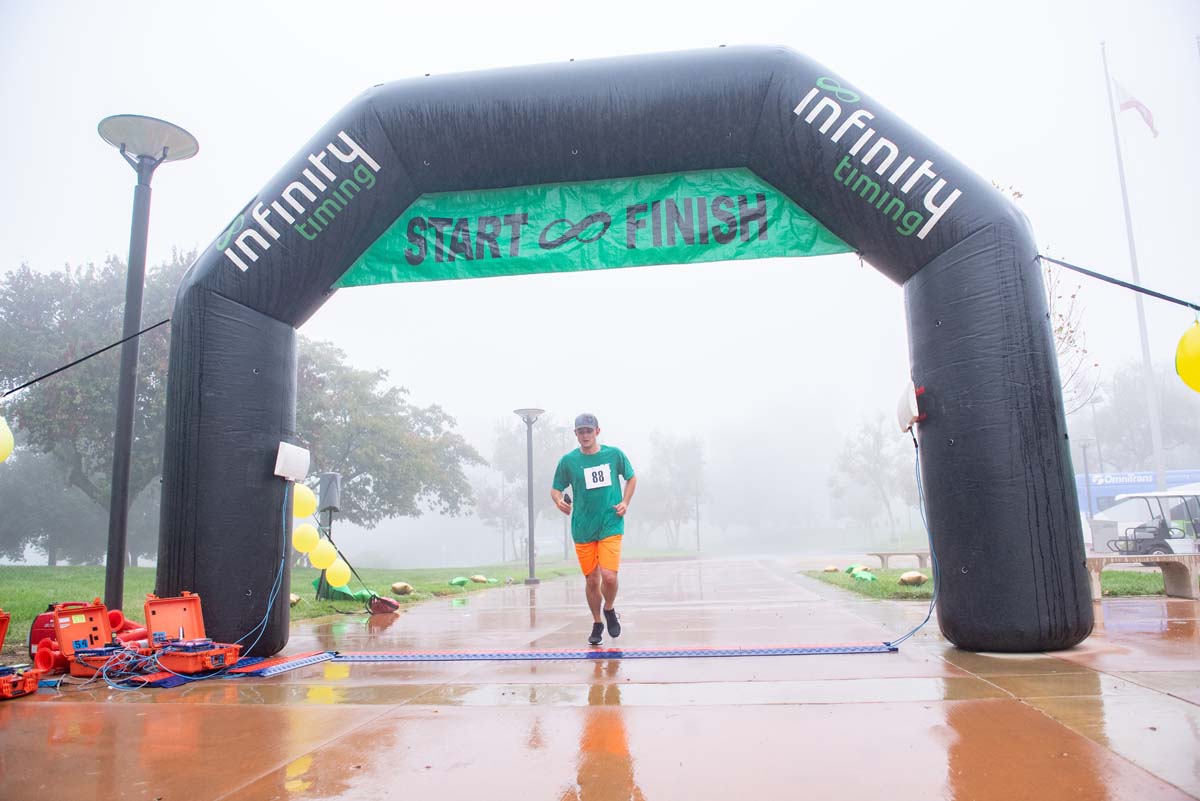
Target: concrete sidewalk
<point>1117,717</point>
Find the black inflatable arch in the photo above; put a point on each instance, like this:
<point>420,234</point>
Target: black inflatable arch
<point>994,450</point>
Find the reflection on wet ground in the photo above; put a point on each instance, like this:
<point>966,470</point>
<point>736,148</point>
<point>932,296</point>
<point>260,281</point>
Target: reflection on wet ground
<point>1117,717</point>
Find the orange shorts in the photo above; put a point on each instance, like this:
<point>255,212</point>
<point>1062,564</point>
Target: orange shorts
<point>606,553</point>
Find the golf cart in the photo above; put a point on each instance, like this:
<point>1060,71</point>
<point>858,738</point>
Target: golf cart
<point>1150,523</point>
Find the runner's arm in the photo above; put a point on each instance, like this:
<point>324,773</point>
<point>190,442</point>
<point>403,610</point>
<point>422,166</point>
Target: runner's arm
<point>630,486</point>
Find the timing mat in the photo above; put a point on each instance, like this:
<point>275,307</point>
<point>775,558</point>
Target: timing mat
<point>605,653</point>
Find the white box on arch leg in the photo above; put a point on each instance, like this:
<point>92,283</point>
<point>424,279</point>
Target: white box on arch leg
<point>292,462</point>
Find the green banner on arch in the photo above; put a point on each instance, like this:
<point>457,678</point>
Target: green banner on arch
<point>591,225</point>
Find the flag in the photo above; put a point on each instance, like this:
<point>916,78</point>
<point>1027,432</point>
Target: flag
<point>1126,101</point>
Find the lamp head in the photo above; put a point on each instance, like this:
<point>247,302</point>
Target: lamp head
<point>149,137</point>
<point>530,416</point>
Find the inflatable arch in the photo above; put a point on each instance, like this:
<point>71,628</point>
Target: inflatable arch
<point>728,153</point>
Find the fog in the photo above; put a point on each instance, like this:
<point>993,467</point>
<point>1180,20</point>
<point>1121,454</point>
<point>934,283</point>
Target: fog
<point>738,355</point>
<point>770,364</point>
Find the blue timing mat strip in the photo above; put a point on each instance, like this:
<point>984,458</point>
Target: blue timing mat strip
<point>607,653</point>
<point>270,667</point>
<point>276,669</point>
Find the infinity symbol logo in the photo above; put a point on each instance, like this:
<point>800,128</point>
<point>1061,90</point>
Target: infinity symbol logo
<point>835,88</point>
<point>233,228</point>
<point>575,231</point>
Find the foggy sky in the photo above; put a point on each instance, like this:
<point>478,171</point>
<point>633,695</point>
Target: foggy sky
<point>770,363</point>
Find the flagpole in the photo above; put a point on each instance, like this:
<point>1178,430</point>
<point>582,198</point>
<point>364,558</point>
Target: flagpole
<point>1148,381</point>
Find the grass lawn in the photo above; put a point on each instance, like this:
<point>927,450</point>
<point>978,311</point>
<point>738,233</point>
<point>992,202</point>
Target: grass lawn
<point>1112,583</point>
<point>25,591</point>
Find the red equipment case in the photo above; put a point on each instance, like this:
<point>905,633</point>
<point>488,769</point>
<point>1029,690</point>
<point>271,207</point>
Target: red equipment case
<point>19,680</point>
<point>79,626</point>
<point>43,627</point>
<point>176,626</point>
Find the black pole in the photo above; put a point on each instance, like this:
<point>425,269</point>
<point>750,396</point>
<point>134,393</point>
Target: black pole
<point>118,504</point>
<point>324,592</point>
<point>1096,432</point>
<point>1087,482</point>
<point>566,520</point>
<point>529,461</point>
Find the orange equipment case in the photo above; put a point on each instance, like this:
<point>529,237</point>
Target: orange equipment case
<point>79,627</point>
<point>172,623</point>
<point>15,682</point>
<point>122,659</point>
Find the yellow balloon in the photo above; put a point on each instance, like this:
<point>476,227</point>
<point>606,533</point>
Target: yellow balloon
<point>1187,357</point>
<point>6,440</point>
<point>322,556</point>
<point>338,574</point>
<point>305,537</point>
<point>304,503</point>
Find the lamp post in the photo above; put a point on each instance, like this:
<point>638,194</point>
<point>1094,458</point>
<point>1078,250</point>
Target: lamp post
<point>144,142</point>
<point>566,519</point>
<point>1096,433</point>
<point>1087,480</point>
<point>530,417</point>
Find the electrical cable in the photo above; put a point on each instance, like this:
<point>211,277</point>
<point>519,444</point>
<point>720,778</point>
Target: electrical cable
<point>85,358</point>
<point>929,534</point>
<point>916,447</point>
<point>276,586</point>
<point>139,666</point>
<point>347,561</point>
<point>326,530</point>
<point>1125,284</point>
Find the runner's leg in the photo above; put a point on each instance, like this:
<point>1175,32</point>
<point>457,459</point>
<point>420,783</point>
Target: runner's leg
<point>608,587</point>
<point>609,557</point>
<point>593,592</point>
<point>589,564</point>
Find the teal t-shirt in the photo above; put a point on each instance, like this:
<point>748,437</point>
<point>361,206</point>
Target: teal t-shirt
<point>595,490</point>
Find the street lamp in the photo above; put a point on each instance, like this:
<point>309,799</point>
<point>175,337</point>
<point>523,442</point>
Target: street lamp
<point>144,142</point>
<point>530,417</point>
<point>566,519</point>
<point>1087,480</point>
<point>1096,431</point>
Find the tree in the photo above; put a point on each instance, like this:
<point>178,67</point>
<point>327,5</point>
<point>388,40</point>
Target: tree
<point>396,459</point>
<point>671,499</point>
<point>507,497</point>
<point>1123,424</point>
<point>50,319</point>
<point>497,505</point>
<point>551,440</point>
<point>856,502</point>
<point>872,470</point>
<point>43,511</point>
<point>1078,373</point>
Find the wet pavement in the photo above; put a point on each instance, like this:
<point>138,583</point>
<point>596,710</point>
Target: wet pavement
<point>1117,717</point>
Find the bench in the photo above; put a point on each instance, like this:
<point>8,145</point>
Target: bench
<point>1179,571</point>
<point>884,556</point>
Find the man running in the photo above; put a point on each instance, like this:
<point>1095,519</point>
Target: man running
<point>598,521</point>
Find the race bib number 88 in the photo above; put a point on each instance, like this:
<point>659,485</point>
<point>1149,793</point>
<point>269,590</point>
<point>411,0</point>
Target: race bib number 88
<point>598,476</point>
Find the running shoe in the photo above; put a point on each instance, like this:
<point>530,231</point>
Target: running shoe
<point>614,625</point>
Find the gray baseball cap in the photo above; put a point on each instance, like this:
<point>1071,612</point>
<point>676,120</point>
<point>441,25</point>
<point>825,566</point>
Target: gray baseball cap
<point>586,420</point>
